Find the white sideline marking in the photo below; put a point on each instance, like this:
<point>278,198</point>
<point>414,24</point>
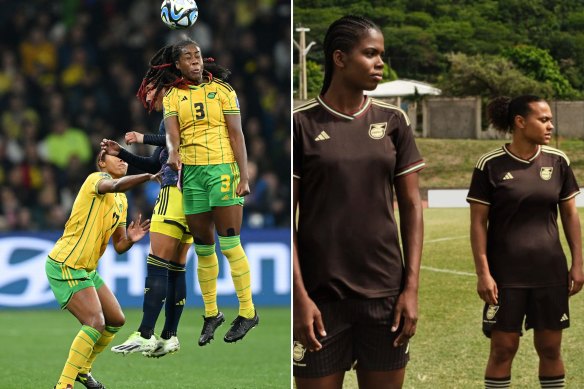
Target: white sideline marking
<point>456,198</point>
<point>445,239</point>
<point>460,273</point>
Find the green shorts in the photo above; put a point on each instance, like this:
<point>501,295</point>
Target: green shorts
<point>208,186</point>
<point>66,281</point>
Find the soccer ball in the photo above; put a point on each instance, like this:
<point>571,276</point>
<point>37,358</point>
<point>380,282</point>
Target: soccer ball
<point>178,14</point>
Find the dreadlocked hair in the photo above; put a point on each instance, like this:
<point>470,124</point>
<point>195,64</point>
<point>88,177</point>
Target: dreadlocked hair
<point>163,74</point>
<point>343,34</point>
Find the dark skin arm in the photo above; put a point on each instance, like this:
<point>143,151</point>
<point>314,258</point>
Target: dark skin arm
<point>412,232</point>
<point>486,285</point>
<point>307,317</point>
<point>571,224</point>
<point>173,142</point>
<point>125,183</point>
<point>124,239</point>
<point>237,141</point>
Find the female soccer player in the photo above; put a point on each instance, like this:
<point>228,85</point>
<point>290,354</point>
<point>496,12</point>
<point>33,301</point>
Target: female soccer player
<point>354,302</point>
<point>99,212</point>
<point>170,238</point>
<point>514,197</point>
<point>201,114</point>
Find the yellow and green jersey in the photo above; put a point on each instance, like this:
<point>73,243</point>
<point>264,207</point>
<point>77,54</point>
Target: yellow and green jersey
<point>201,111</point>
<point>93,220</point>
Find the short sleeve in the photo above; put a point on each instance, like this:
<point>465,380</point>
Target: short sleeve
<point>480,190</point>
<point>170,103</point>
<point>93,181</point>
<point>230,103</point>
<point>124,215</point>
<point>570,186</point>
<point>408,158</point>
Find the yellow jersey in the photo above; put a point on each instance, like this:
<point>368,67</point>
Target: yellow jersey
<point>93,220</point>
<point>201,110</point>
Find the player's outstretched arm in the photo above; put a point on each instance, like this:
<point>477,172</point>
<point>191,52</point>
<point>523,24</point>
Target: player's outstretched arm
<point>124,239</point>
<point>571,224</point>
<point>125,183</point>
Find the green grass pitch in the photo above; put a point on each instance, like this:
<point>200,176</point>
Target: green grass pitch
<point>36,344</point>
<point>449,350</point>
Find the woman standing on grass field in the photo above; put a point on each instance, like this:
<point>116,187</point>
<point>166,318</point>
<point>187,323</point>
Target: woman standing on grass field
<point>99,212</point>
<point>170,238</point>
<point>354,302</point>
<point>514,197</point>
<point>201,115</point>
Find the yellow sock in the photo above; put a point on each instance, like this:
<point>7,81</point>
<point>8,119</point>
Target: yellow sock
<point>106,337</point>
<point>80,350</point>
<point>208,271</point>
<point>239,273</point>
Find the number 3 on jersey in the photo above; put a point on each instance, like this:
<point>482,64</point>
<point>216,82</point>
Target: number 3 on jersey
<point>225,182</point>
<point>199,111</point>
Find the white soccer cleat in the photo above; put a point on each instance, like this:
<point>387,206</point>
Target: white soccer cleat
<point>163,347</point>
<point>136,344</point>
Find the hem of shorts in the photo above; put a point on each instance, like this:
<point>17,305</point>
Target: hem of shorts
<point>318,375</point>
<point>380,295</point>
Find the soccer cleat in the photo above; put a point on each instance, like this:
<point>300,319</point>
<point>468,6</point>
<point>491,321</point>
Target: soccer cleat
<point>209,327</point>
<point>88,381</point>
<point>136,344</point>
<point>163,347</point>
<point>240,327</point>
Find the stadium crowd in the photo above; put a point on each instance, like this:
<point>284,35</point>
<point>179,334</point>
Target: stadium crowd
<point>69,72</point>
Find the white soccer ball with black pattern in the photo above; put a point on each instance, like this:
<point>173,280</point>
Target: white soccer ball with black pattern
<point>179,14</point>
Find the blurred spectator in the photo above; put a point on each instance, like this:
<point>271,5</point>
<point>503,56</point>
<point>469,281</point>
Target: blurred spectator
<point>65,145</point>
<point>69,72</point>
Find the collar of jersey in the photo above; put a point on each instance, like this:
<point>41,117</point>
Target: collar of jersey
<point>208,74</point>
<point>521,159</point>
<point>366,104</point>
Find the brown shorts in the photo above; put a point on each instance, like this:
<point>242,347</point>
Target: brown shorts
<point>541,308</point>
<point>358,334</point>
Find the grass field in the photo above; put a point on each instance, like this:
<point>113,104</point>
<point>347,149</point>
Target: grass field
<point>449,350</point>
<point>450,162</point>
<point>36,344</point>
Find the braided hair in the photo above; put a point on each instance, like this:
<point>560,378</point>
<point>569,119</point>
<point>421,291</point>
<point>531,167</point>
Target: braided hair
<point>343,34</point>
<point>163,74</point>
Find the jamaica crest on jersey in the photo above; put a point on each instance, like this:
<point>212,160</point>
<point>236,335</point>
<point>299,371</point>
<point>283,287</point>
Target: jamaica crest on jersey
<point>377,130</point>
<point>546,173</point>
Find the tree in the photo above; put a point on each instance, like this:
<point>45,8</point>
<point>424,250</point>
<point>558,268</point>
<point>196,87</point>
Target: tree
<point>539,65</point>
<point>488,76</point>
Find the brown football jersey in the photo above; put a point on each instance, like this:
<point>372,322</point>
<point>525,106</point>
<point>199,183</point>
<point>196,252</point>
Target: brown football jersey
<point>348,243</point>
<point>523,244</point>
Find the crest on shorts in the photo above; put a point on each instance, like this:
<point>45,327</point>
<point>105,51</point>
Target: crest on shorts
<point>546,173</point>
<point>298,352</point>
<point>377,130</point>
<point>492,311</point>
